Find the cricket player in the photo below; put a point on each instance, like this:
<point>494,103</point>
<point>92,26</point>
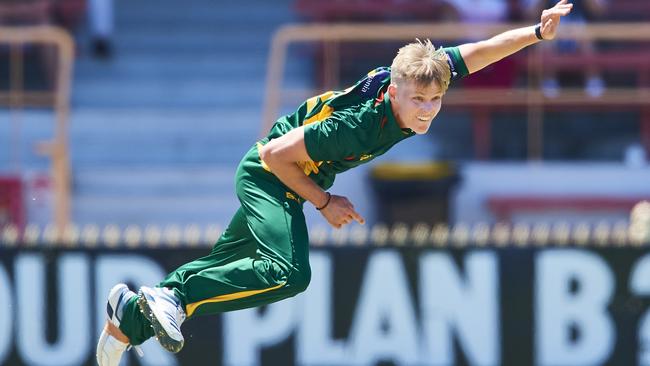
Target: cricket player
<point>262,256</point>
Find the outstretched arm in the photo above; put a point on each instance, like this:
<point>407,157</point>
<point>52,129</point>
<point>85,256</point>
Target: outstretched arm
<point>481,54</point>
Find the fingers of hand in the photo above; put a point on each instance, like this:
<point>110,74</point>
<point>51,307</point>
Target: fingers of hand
<point>347,217</point>
<point>352,214</point>
<point>334,224</point>
<point>342,212</point>
<point>548,24</point>
<point>555,14</point>
<point>340,223</point>
<point>355,216</point>
<point>561,10</point>
<point>548,29</point>
<point>338,219</point>
<point>562,5</point>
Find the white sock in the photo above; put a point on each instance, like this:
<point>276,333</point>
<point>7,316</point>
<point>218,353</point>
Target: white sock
<point>109,350</point>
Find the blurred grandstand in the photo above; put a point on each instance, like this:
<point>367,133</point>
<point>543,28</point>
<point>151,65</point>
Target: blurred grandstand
<point>155,134</point>
<point>139,151</point>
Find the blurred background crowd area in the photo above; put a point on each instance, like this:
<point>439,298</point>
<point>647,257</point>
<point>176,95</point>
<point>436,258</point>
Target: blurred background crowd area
<point>166,96</point>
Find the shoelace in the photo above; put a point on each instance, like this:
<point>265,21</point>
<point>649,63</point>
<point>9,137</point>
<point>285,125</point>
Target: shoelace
<point>181,312</point>
<point>137,349</point>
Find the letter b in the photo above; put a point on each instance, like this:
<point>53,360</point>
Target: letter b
<point>559,307</point>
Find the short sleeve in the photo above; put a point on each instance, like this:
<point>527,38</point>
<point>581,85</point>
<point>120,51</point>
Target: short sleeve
<point>334,139</point>
<point>456,63</point>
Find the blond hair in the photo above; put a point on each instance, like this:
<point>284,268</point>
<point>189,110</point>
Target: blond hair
<point>421,62</point>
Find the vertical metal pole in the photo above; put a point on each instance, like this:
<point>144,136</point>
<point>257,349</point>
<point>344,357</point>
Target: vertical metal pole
<point>482,133</point>
<point>645,130</point>
<point>274,77</point>
<point>16,100</point>
<point>331,65</point>
<point>61,160</point>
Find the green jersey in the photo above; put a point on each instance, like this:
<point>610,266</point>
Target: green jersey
<point>344,129</point>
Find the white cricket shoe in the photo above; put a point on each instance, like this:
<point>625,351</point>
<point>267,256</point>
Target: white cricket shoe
<point>163,309</point>
<point>117,298</point>
<point>110,349</point>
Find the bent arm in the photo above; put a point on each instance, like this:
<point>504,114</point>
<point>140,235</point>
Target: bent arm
<point>281,156</point>
<point>478,55</point>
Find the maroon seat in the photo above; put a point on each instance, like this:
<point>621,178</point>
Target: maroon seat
<point>12,209</point>
<point>504,207</point>
<point>25,12</point>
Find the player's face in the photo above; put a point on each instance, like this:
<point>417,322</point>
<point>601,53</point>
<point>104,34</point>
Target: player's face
<point>415,105</point>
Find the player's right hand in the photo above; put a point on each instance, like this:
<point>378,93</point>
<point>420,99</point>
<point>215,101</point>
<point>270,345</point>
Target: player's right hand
<point>340,212</point>
<point>551,18</point>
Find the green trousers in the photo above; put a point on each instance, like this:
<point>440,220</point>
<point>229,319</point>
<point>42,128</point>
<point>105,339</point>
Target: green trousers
<point>262,256</point>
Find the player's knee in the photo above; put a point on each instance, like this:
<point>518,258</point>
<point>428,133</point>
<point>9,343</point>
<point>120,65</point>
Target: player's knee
<point>300,280</point>
<point>295,279</point>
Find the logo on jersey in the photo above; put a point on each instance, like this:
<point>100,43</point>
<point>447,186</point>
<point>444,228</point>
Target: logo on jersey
<point>452,68</point>
<point>373,83</point>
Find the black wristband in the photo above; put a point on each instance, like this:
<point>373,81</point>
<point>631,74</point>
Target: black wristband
<point>538,32</point>
<point>329,198</point>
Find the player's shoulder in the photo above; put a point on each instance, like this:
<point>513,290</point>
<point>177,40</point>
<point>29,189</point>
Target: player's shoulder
<point>370,85</point>
<point>365,119</point>
<point>375,80</point>
<point>456,63</point>
<point>361,105</point>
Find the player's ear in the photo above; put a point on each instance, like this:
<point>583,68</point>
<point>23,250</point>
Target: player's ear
<point>392,90</point>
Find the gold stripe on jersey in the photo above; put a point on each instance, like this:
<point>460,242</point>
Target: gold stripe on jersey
<point>309,167</point>
<point>313,101</point>
<point>324,113</point>
<point>266,167</point>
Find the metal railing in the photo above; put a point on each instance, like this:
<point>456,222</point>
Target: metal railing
<point>622,233</point>
<point>530,97</point>
<point>634,232</point>
<point>17,97</point>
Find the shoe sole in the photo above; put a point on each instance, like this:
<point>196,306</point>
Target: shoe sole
<point>99,350</point>
<point>107,358</point>
<point>161,334</point>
